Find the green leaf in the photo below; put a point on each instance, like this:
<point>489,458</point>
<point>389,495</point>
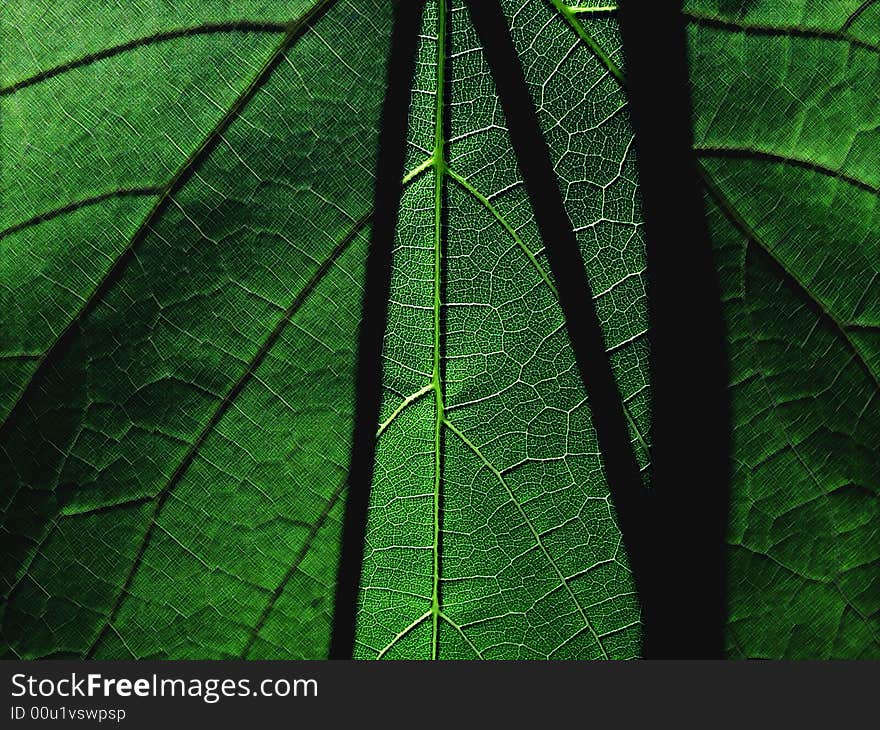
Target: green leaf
<point>187,195</point>
<point>181,256</point>
<point>786,130</point>
<point>178,363</point>
<point>491,533</point>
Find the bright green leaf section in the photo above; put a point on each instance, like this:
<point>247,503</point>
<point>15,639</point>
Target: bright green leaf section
<point>172,481</point>
<point>491,531</point>
<point>787,128</point>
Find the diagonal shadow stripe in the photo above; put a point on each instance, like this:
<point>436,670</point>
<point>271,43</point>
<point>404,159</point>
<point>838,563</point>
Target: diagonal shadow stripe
<point>685,524</point>
<point>389,189</point>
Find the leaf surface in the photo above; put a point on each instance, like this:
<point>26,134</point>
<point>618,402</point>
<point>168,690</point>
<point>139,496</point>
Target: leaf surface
<point>186,215</point>
<point>178,364</point>
<point>787,130</point>
<point>491,532</point>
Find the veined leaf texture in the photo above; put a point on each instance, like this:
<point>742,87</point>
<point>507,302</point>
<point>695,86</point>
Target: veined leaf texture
<point>786,131</point>
<point>187,193</point>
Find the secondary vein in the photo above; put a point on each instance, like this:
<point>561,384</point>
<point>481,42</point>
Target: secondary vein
<point>469,187</point>
<point>738,222</point>
<point>795,31</point>
<point>296,29</point>
<point>222,408</point>
<point>463,635</point>
<point>570,14</point>
<point>734,152</point>
<point>403,633</point>
<point>227,400</point>
<point>854,16</point>
<point>77,204</point>
<point>500,477</point>
<point>429,388</point>
<point>590,9</point>
<point>235,26</point>
<point>294,566</point>
<point>466,184</point>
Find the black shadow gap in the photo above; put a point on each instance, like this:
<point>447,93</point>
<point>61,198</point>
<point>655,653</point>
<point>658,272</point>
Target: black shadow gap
<point>389,189</point>
<point>684,583</point>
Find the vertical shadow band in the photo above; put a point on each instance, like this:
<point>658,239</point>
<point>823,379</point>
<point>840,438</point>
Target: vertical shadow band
<point>388,192</point>
<point>567,266</point>
<point>690,432</point>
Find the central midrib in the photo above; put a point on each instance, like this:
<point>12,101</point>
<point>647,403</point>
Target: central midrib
<point>439,164</point>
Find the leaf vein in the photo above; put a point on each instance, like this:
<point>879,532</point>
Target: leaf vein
<point>236,26</point>
<point>296,30</point>
<point>224,405</point>
<point>500,477</point>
